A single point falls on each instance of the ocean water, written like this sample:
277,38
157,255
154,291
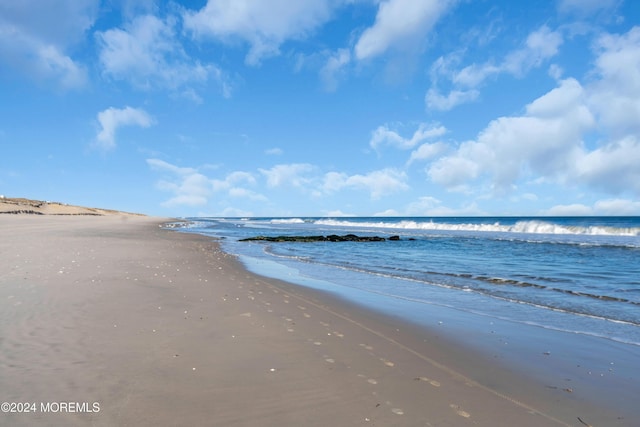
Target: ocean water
573,274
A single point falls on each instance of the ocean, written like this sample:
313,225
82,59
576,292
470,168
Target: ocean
578,275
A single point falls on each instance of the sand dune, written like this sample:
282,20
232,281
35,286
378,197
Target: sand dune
39,207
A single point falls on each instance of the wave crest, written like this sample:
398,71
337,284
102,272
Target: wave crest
526,227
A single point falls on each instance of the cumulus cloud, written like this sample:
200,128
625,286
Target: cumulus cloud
399,23
263,24
614,168
384,135
427,151
540,45
546,140
276,151
378,183
190,187
113,118
294,175
431,206
147,53
436,101
454,172
585,7
612,207
574,209
615,95
334,69
617,207
36,37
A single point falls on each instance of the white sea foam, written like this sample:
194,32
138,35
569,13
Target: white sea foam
287,221
528,227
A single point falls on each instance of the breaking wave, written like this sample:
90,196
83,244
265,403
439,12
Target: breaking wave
528,227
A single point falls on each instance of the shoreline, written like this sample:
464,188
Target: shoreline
164,328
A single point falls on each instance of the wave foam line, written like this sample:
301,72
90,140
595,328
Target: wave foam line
528,227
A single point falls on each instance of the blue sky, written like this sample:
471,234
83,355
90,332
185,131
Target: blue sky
323,107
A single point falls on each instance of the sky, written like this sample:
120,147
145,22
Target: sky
323,107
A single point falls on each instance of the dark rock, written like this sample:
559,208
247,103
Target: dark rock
330,238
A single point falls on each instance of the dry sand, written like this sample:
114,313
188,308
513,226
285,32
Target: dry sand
161,328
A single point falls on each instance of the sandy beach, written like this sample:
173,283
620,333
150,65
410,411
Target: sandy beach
114,320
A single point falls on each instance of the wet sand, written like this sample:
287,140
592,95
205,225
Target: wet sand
162,328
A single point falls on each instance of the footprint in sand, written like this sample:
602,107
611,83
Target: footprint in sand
459,411
387,362
430,381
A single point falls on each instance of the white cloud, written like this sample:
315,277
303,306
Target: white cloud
378,183
546,140
540,45
113,118
232,180
333,69
147,53
431,206
437,101
190,189
294,175
274,151
423,205
427,151
585,7
399,23
473,75
614,168
617,207
616,94
613,207
35,37
244,193
383,135
264,24
454,172
338,213
575,209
